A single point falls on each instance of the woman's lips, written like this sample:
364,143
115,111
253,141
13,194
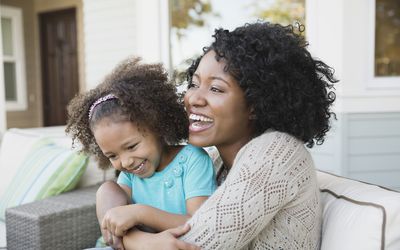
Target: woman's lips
198,126
199,122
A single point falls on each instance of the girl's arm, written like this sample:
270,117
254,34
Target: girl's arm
198,184
110,195
117,221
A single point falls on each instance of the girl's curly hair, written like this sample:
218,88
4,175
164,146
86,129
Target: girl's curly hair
288,89
144,96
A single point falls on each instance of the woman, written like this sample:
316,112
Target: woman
258,96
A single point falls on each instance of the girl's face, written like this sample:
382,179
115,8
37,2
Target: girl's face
129,150
217,109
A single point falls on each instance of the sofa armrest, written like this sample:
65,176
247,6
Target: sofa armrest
65,221
358,215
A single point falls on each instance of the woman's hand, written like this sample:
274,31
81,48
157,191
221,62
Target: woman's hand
167,240
119,220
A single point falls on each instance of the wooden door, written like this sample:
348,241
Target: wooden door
59,59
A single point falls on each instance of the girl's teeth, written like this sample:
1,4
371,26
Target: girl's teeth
138,168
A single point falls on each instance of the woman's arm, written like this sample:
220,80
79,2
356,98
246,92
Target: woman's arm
119,223
261,182
166,240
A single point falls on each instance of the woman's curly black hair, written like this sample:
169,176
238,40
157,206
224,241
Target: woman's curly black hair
288,90
144,96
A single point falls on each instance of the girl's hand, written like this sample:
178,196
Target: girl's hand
167,240
119,220
112,240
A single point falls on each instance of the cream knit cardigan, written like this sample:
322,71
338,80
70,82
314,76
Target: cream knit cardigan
270,200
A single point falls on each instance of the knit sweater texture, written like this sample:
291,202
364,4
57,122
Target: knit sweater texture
269,200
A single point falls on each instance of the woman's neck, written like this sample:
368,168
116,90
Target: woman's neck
229,152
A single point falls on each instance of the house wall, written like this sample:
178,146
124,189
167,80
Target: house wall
115,30
3,123
365,140
109,28
363,146
29,117
32,117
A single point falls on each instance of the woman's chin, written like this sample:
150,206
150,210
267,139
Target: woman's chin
200,141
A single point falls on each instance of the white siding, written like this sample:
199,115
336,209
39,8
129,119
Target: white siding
366,147
374,148
109,35
115,30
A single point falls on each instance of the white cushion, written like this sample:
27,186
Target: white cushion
357,215
16,143
15,146
47,170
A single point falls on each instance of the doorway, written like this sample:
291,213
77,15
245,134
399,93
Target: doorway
59,58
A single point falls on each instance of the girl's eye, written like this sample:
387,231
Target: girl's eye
112,157
132,146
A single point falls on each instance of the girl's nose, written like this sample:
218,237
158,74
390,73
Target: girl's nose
126,162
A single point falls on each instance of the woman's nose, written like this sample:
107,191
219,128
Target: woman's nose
195,97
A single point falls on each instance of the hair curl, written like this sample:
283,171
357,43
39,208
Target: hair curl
144,96
287,88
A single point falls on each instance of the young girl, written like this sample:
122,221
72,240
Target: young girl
134,121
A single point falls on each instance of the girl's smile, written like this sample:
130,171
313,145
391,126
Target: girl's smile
130,149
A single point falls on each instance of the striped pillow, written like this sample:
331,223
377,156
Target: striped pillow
47,170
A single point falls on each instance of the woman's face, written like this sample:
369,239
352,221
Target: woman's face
216,106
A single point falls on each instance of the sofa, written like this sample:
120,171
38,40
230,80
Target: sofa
356,215
38,167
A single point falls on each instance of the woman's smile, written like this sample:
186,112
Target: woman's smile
199,123
216,106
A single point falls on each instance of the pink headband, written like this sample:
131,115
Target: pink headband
100,100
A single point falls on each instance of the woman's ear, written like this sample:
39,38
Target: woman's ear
252,115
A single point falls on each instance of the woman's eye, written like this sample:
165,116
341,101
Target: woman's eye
192,85
215,89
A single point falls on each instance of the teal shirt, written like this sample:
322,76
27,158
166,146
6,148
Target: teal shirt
189,174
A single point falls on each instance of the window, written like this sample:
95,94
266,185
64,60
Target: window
387,38
13,58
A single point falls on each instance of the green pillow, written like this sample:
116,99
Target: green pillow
47,170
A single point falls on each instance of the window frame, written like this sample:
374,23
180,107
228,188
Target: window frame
15,14
376,82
